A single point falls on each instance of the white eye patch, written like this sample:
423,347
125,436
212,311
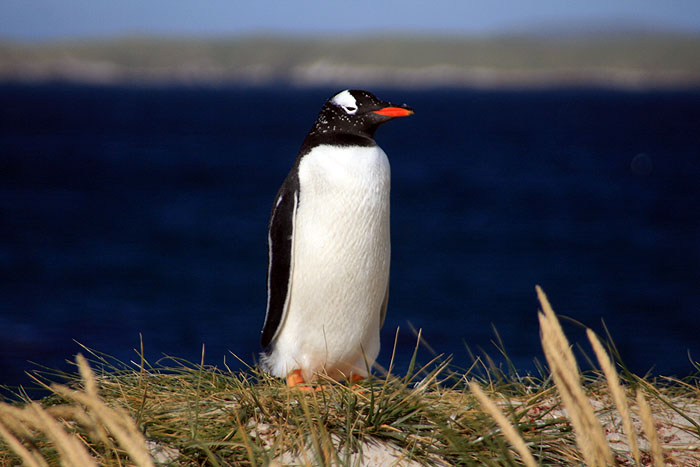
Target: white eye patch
346,101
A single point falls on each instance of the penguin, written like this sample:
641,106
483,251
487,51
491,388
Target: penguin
329,247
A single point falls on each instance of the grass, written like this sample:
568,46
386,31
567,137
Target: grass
112,413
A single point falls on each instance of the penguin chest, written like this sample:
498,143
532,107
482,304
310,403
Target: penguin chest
341,252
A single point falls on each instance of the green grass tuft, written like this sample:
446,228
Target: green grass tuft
185,413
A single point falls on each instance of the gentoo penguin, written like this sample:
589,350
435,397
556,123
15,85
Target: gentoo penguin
329,247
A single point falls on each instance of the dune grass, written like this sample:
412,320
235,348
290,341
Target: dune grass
179,413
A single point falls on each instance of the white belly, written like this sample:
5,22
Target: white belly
341,264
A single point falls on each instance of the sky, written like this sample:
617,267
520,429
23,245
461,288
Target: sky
46,20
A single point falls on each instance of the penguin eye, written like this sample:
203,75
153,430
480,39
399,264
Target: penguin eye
349,109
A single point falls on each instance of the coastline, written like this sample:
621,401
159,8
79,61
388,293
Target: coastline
624,62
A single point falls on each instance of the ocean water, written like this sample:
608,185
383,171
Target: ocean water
129,211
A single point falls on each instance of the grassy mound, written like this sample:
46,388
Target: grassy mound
185,414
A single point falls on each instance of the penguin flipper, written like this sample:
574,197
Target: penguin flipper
280,243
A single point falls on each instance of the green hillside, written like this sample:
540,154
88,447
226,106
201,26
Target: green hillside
526,60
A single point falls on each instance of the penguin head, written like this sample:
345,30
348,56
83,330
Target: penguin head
357,112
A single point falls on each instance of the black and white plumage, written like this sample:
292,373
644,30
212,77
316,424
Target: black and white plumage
329,246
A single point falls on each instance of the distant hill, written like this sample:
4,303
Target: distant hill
525,60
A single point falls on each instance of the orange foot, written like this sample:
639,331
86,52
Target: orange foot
355,378
296,380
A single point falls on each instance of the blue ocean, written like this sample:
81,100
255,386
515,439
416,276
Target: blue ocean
142,211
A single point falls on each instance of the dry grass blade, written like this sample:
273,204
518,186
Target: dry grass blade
618,394
650,430
509,431
87,376
30,459
72,452
119,424
90,412
589,433
33,419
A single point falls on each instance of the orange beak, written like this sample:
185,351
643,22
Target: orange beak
394,112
